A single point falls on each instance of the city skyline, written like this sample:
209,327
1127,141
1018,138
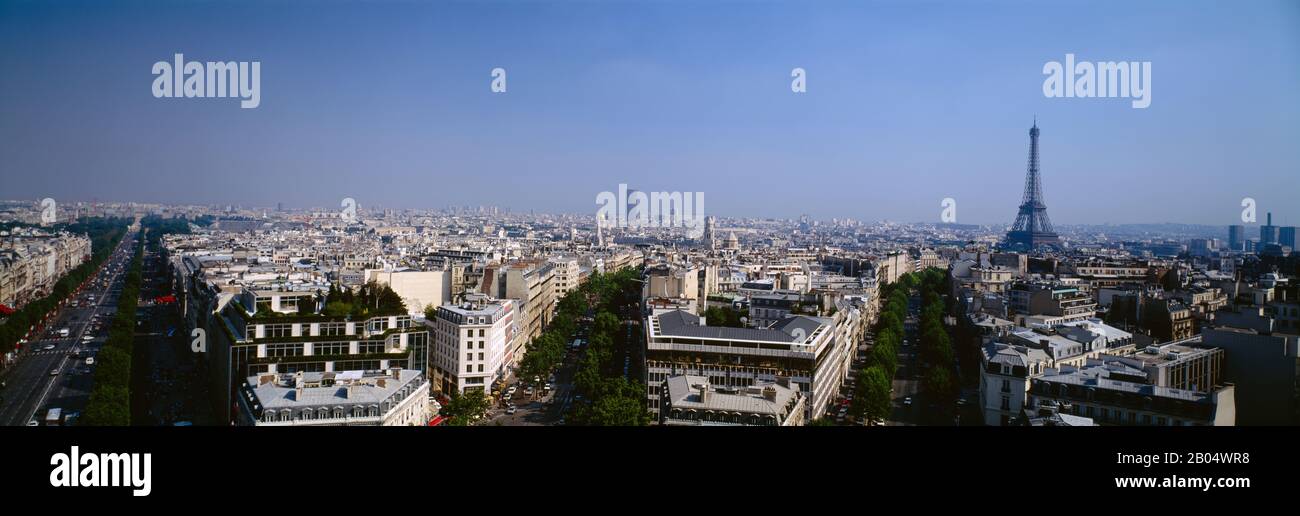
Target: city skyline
903,108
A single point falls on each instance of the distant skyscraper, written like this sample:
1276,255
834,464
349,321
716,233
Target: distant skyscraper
1268,232
1237,237
1032,228
1286,236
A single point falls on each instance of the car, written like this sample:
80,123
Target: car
48,347
55,372
510,409
33,423
907,401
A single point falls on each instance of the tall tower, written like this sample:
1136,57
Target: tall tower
1032,228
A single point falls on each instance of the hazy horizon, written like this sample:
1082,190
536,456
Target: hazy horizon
907,104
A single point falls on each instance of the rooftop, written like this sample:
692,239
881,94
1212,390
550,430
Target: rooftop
678,323
345,388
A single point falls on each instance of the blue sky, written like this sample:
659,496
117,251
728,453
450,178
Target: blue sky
907,103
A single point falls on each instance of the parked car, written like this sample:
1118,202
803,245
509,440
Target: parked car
907,402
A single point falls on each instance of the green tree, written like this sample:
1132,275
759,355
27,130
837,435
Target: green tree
938,385
464,409
872,399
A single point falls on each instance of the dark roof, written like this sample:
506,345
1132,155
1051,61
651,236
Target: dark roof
678,323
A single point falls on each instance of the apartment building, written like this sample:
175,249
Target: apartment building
530,282
690,400
1265,367
420,290
472,343
1004,380
277,336
1180,365
1093,392
32,261
807,352
568,275
1060,302
393,397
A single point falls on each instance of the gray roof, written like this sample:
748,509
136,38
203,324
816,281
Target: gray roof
366,390
683,393
678,323
1098,376
1022,356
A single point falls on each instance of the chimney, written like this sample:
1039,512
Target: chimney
769,393
703,389
783,381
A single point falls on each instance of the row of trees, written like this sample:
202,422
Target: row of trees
545,353
610,398
940,380
110,399
104,234
875,382
874,393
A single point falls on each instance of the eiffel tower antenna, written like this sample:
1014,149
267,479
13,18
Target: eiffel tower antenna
1032,228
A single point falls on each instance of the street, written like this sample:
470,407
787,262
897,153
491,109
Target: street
31,385
175,391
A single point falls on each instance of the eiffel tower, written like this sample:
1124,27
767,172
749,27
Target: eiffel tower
1032,228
